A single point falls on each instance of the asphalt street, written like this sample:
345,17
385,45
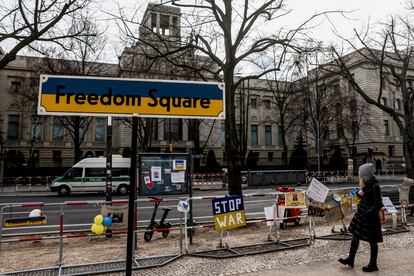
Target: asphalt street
81,217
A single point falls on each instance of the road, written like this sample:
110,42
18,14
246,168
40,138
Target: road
82,216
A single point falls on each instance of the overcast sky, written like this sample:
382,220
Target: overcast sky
363,11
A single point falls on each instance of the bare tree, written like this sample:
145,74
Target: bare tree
286,99
78,57
25,22
388,59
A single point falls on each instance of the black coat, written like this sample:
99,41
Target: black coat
366,223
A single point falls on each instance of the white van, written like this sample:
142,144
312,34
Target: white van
89,175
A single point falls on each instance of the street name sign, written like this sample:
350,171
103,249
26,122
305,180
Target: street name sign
92,96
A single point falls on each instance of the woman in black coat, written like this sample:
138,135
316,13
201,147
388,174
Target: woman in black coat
366,223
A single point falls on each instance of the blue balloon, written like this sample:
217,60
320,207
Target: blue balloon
107,221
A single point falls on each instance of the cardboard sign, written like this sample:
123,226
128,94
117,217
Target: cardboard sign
93,96
295,200
388,205
119,214
228,212
317,191
314,211
333,214
346,206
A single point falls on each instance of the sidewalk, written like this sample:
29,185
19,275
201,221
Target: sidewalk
390,262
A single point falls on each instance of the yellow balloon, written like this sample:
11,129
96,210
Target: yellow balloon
98,219
99,229
93,228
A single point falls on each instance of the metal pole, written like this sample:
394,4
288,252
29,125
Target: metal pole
190,195
108,191
61,238
132,195
181,233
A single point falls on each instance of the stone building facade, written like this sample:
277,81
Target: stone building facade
46,144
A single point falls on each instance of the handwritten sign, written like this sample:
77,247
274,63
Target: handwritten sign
228,212
317,191
388,205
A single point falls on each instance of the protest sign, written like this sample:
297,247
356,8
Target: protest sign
317,191
295,200
388,205
228,212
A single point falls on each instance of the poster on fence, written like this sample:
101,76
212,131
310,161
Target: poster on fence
317,191
295,200
316,211
228,212
333,214
119,214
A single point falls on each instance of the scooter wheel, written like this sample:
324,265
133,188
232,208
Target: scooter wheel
148,236
165,233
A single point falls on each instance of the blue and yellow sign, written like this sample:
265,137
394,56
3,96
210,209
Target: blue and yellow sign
228,212
90,96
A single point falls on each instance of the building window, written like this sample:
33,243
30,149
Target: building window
384,101
268,135
81,133
336,90
386,128
14,127
154,22
57,158
254,135
57,129
155,129
270,156
35,159
353,106
165,24
36,129
267,104
100,124
15,87
253,102
391,151
173,130
99,153
223,133
397,104
339,131
280,137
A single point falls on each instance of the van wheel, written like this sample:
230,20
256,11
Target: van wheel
64,191
122,189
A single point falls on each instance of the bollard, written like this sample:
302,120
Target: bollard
185,232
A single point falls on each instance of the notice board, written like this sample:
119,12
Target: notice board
163,174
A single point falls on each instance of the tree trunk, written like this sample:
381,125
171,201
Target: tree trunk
233,160
409,151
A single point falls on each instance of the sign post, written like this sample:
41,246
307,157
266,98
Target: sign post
91,96
108,190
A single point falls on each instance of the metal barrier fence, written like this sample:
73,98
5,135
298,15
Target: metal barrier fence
26,183
182,226
342,176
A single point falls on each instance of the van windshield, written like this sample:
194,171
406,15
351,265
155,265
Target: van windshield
72,173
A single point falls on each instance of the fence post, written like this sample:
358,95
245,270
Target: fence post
61,239
181,233
185,232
